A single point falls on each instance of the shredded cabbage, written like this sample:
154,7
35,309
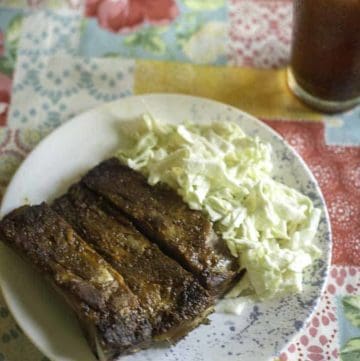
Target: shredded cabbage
219,170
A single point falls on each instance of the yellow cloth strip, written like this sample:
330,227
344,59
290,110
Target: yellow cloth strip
263,93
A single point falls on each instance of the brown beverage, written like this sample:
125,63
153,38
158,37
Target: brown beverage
325,59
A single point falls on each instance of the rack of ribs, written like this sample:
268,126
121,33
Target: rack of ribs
133,261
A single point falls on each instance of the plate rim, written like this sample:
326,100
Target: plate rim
258,122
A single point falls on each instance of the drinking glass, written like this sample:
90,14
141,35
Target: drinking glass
324,69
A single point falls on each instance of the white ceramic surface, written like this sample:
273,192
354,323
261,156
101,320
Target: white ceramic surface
263,328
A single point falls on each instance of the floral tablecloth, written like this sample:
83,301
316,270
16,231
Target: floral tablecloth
58,58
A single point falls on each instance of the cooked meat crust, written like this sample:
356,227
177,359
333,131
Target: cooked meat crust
183,234
134,262
174,301
110,313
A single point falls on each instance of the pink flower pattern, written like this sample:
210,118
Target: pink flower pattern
260,32
127,15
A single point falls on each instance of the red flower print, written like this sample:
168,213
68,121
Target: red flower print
325,171
5,92
126,15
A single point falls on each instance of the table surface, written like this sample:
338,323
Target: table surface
58,58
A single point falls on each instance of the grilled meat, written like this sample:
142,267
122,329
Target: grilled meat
174,301
135,263
183,234
113,319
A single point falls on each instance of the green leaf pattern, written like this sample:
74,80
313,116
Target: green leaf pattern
186,27
6,65
351,350
351,306
13,30
204,4
149,39
11,41
51,4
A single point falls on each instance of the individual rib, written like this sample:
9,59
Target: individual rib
114,322
183,234
174,301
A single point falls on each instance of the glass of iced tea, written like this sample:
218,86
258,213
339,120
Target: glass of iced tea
324,69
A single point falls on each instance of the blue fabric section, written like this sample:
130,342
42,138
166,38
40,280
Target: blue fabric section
61,84
167,40
6,14
348,132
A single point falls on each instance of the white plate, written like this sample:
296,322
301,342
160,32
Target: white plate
263,328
